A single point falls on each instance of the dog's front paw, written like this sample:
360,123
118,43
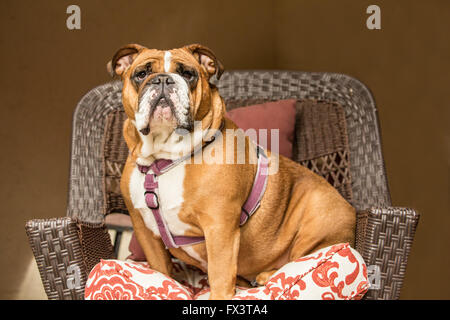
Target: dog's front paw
263,277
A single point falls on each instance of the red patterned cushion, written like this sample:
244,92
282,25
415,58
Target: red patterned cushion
335,272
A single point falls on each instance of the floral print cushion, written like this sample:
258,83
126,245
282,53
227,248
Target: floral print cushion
335,272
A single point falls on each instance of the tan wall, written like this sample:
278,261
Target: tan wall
46,69
406,66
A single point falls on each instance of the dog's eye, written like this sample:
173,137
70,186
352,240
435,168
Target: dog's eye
141,75
187,74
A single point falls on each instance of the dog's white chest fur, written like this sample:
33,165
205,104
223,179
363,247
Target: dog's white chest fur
170,193
170,196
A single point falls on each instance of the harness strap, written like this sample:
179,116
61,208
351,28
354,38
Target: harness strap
160,166
151,199
259,186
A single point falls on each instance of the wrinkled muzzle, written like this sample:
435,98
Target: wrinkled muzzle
164,102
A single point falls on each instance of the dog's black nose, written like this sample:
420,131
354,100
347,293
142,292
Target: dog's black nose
162,79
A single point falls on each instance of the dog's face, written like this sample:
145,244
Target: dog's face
165,90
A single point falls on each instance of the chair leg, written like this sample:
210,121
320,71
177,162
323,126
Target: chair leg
117,242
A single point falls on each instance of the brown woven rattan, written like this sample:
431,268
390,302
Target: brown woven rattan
95,243
56,246
337,136
115,153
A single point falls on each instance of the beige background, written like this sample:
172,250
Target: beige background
47,68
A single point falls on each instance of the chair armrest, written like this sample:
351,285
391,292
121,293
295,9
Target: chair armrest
384,237
65,251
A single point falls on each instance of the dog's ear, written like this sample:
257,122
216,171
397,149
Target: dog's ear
207,59
123,58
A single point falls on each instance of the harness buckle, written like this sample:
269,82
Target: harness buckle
155,200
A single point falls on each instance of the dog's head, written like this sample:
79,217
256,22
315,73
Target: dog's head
164,94
166,90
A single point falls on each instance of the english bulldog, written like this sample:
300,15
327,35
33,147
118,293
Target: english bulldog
193,210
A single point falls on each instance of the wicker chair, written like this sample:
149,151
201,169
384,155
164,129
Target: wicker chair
67,248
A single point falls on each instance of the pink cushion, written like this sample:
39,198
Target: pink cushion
271,115
336,272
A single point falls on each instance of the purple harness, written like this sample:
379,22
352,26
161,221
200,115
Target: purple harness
160,166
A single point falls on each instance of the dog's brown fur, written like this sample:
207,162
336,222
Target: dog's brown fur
299,213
